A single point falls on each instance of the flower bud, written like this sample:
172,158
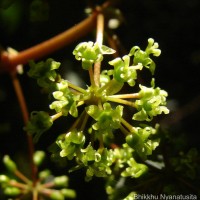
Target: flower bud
57,195
4,179
12,191
44,174
69,193
9,163
38,157
61,181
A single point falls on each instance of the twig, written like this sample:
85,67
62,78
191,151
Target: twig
25,114
50,45
22,176
10,62
17,184
20,96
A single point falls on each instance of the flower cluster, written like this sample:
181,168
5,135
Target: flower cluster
143,57
107,119
92,140
89,53
45,73
16,184
123,72
99,162
71,143
39,122
140,140
65,100
152,102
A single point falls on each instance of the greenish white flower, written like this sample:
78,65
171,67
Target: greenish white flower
123,72
152,102
89,53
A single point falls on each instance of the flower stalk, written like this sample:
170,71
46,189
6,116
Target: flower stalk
99,40
125,96
121,101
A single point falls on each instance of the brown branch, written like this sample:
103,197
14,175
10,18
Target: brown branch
25,114
10,62
51,45
20,96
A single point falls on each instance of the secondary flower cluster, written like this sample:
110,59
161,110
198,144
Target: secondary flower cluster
152,102
17,184
89,53
100,162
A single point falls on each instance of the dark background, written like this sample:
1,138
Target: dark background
175,25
